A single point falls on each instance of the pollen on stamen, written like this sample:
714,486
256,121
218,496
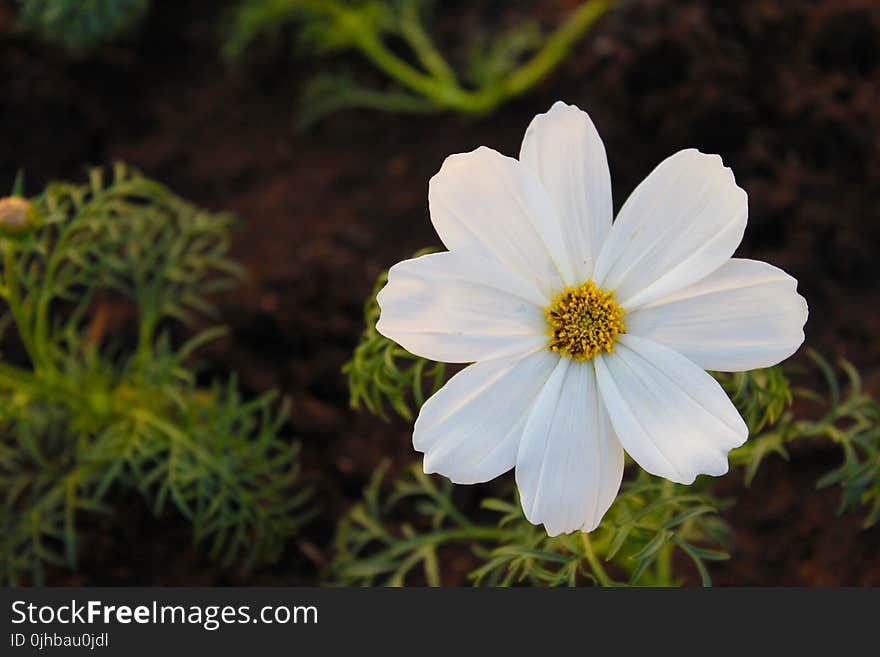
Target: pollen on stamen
584,321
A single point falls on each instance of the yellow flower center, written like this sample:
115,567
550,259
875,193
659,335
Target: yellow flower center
584,321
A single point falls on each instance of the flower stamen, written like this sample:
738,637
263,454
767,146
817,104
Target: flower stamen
584,321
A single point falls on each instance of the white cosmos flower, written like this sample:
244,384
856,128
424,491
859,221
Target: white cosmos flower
587,337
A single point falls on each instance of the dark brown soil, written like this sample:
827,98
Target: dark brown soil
785,90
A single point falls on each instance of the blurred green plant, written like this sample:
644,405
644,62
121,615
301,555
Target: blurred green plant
81,26
393,538
421,79
84,416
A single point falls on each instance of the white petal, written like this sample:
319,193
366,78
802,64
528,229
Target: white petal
679,225
565,150
743,316
483,202
569,464
460,308
470,430
671,417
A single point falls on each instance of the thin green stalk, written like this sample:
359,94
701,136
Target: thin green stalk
13,297
44,300
441,86
145,339
445,91
554,50
664,559
437,90
435,539
416,36
664,565
430,83
598,569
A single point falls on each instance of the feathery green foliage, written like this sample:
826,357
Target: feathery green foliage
381,371
420,78
81,25
84,416
849,417
394,538
377,543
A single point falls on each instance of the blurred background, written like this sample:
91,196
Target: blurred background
785,90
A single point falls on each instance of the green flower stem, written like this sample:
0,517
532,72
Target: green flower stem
145,337
664,559
13,297
418,39
473,533
664,565
554,50
598,569
44,301
439,91
440,85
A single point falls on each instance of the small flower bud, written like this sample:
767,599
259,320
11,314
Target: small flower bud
17,216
